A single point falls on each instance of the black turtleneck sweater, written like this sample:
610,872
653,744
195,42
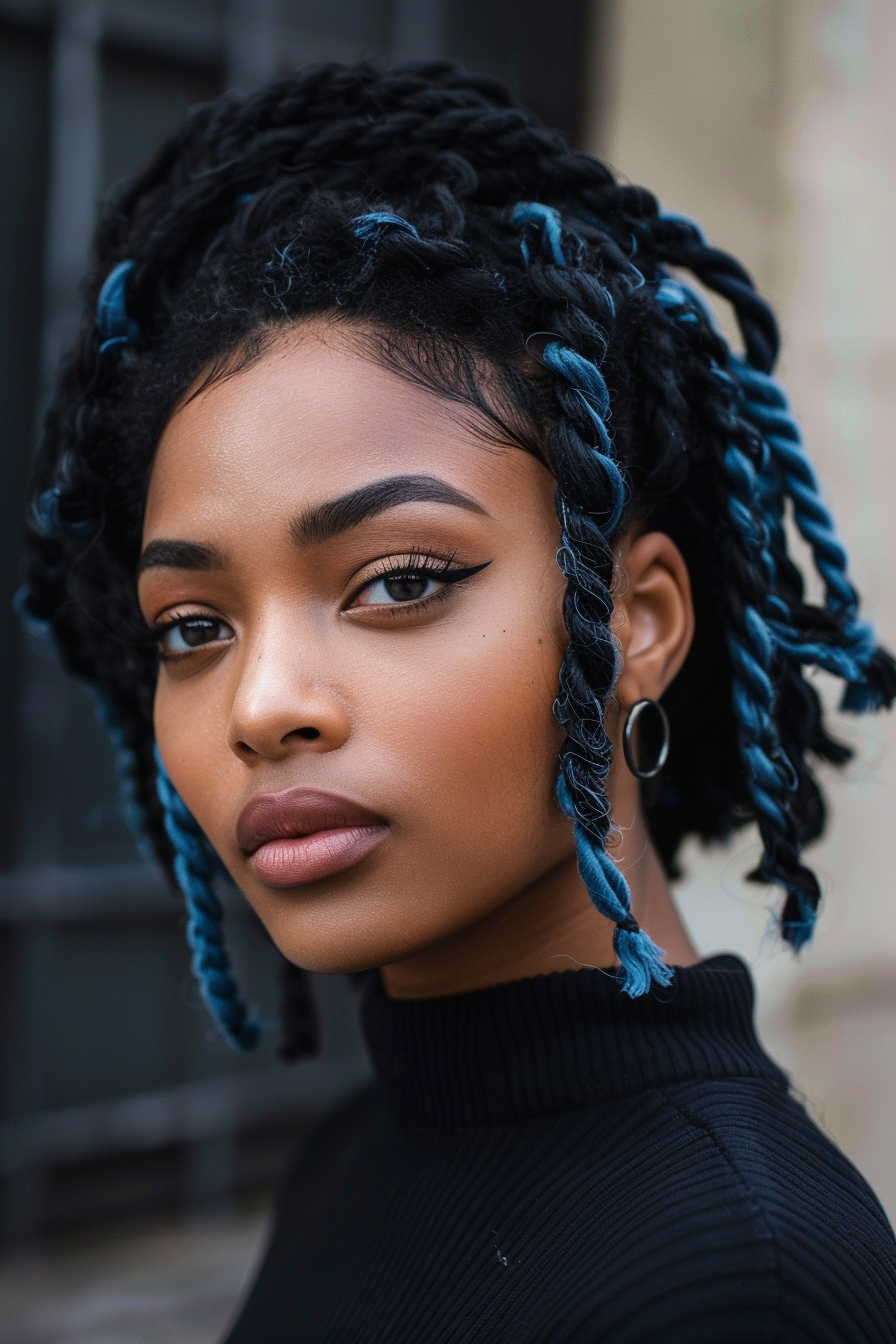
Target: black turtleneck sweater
549,1160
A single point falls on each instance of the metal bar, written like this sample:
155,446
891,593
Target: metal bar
24,1195
62,893
417,30
189,1113
203,37
185,32
66,893
73,187
74,170
252,32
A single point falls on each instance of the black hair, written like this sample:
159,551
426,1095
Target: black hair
474,251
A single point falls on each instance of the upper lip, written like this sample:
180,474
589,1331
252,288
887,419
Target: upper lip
295,812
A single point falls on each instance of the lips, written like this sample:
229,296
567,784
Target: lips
302,835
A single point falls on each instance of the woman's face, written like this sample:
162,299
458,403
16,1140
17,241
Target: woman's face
362,645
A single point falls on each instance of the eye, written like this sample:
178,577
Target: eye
192,632
418,583
413,586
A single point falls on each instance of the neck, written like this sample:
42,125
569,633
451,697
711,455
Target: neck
550,925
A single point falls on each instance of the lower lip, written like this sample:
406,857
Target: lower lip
310,858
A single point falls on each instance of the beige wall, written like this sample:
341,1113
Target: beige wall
773,122
693,108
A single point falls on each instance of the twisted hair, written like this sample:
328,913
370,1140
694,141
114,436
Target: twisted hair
474,252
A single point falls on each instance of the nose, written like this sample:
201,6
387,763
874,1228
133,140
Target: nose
282,706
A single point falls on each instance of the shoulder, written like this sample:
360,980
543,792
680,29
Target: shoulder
744,1223
832,1253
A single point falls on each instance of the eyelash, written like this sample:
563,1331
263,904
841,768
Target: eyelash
411,567
405,567
163,628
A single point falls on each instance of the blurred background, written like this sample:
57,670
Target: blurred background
137,1153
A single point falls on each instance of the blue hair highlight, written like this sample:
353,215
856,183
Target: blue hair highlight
547,220
756,506
115,328
35,625
787,473
194,868
798,932
588,382
765,406
48,520
112,321
680,302
640,960
370,228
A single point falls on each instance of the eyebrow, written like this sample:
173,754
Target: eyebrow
179,555
324,521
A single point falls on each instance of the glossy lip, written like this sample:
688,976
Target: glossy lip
302,835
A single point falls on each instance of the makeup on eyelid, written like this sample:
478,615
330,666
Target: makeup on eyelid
418,568
426,568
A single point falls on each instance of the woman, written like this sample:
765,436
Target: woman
424,544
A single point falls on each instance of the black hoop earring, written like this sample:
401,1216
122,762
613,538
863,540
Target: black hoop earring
660,752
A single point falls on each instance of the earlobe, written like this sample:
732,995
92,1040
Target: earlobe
653,616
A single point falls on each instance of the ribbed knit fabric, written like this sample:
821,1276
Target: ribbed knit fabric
552,1161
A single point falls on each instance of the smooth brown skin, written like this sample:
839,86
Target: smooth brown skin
437,718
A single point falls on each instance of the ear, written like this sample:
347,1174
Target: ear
653,616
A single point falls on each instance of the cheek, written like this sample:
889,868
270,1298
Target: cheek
190,729
475,733
493,729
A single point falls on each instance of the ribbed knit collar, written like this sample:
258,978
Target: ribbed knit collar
534,1047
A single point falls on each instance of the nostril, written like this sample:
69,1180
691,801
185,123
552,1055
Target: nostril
309,734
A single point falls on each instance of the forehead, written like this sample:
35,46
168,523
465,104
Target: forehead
313,418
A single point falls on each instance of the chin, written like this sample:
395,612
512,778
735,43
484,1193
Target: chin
340,959
373,916
336,943
331,941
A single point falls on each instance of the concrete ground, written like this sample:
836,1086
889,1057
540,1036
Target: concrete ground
140,1284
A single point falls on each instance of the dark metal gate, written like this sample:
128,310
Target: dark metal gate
116,1092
